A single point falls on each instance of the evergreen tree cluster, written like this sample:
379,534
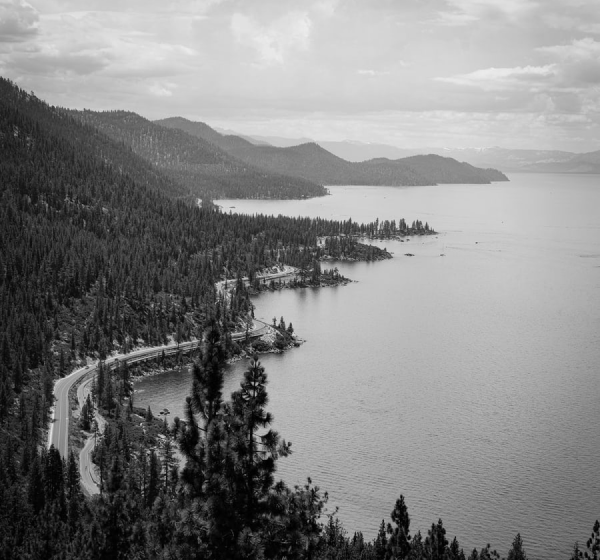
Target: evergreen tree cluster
98,251
202,168
101,251
225,502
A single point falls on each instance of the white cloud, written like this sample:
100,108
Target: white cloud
326,7
160,90
573,15
579,62
455,18
18,21
373,72
92,42
462,12
131,6
504,78
411,129
280,60
579,49
273,42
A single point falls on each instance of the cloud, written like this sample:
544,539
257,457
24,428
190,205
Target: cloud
160,90
463,12
131,6
413,129
572,15
579,62
83,43
573,65
373,72
350,60
51,61
500,79
273,42
18,21
326,7
579,49
455,18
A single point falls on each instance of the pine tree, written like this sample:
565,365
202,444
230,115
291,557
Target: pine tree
168,459
35,486
208,377
256,453
73,493
100,384
517,551
398,545
380,544
153,479
436,542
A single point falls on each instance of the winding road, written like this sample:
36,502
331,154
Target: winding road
59,423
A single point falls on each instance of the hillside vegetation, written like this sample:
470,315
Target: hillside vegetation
312,162
99,251
201,168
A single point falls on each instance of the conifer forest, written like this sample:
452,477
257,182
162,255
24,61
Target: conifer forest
104,248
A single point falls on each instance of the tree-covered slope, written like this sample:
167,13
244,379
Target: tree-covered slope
99,253
99,250
202,168
447,170
312,162
308,161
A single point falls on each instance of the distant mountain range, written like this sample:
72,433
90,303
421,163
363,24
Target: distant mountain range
314,163
505,159
539,161
199,165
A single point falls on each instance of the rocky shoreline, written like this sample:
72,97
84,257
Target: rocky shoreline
275,340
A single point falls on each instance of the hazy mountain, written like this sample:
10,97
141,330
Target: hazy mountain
257,141
514,160
505,159
311,161
204,169
227,142
578,163
314,163
448,170
277,141
359,151
346,149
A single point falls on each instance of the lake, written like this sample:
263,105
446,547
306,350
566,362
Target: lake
468,382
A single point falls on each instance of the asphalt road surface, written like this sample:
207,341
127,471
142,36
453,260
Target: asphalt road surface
59,424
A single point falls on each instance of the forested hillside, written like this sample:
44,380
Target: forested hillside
202,168
448,170
100,252
312,162
93,237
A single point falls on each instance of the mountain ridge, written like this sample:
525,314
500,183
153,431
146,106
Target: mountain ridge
515,160
200,166
312,162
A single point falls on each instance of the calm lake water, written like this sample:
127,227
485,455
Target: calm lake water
467,382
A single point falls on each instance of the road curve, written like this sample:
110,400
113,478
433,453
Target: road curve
59,423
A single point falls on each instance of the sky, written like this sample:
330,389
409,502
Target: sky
410,73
